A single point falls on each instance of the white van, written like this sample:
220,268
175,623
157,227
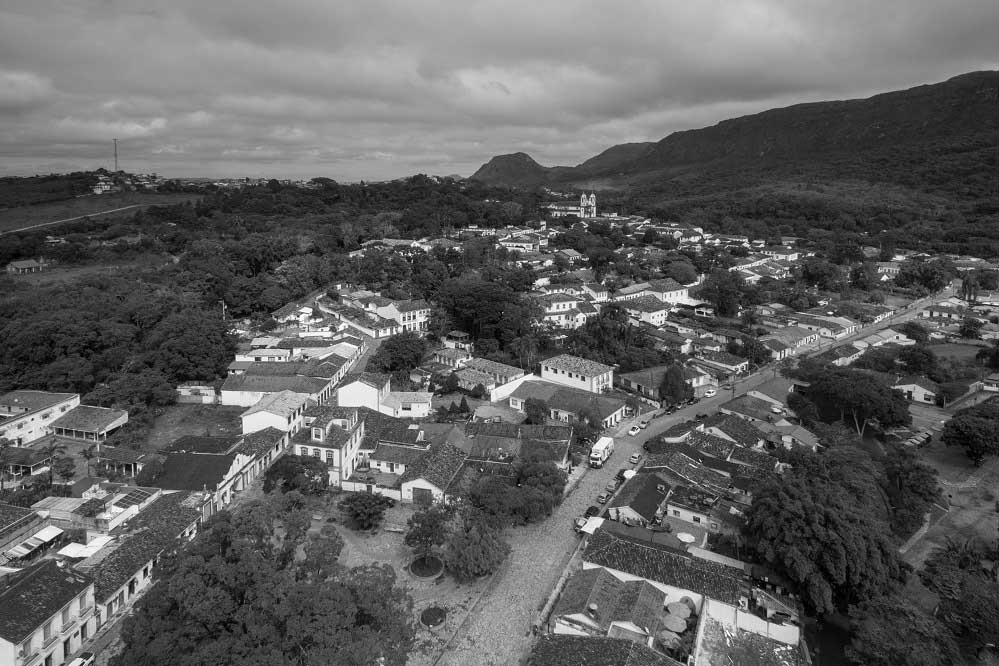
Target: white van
85,659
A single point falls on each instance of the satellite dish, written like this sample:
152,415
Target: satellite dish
685,537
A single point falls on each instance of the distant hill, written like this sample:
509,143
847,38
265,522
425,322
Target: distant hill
941,138
33,190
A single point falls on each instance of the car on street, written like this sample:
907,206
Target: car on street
635,457
727,387
611,485
703,415
620,474
643,424
777,410
591,510
710,393
603,497
634,430
579,523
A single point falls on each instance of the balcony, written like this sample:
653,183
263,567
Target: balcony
86,612
68,626
50,640
29,659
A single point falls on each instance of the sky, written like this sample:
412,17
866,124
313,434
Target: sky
372,90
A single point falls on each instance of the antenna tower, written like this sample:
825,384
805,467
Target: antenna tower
116,155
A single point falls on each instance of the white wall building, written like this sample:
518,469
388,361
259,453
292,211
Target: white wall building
577,372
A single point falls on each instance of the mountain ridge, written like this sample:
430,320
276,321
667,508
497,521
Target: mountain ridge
928,133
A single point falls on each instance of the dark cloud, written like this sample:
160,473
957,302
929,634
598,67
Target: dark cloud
380,89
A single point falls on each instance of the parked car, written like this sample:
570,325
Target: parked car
611,485
703,415
620,474
643,424
603,497
579,523
727,387
634,430
777,410
591,511
635,457
710,393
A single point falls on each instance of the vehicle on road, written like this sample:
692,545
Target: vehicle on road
777,410
611,485
620,473
601,451
635,457
634,430
727,387
591,511
703,415
710,393
603,497
643,424
579,523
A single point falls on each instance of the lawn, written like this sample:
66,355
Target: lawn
12,219
957,351
72,273
201,420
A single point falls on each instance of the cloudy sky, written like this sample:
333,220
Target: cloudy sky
365,89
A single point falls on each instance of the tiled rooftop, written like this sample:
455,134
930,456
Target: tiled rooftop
575,364
33,595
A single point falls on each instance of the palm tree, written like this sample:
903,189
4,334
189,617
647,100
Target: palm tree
52,449
89,454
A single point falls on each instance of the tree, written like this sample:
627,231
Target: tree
404,351
477,549
970,328
536,410
892,631
818,533
858,397
723,289
322,552
64,467
233,596
915,331
674,388
305,474
754,351
88,454
53,448
365,510
911,488
977,435
463,406
427,528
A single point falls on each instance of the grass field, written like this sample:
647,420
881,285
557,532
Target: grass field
200,420
71,273
14,219
957,351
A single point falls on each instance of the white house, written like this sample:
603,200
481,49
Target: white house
333,435
47,614
576,372
26,415
407,404
917,389
648,309
363,389
247,390
429,479
284,411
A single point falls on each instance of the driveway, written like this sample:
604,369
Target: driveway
498,632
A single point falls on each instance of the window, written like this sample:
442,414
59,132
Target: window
329,455
391,467
316,453
26,646
675,512
317,434
47,631
303,451
697,519
65,616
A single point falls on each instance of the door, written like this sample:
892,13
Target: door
422,497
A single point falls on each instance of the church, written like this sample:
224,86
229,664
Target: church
587,207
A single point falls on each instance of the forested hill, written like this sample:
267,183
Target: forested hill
16,192
938,138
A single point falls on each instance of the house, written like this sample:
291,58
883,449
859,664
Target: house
499,372
577,372
89,424
945,312
469,379
566,404
720,360
570,255
407,404
363,389
636,290
991,383
596,291
24,267
692,505
726,634
560,649
125,461
213,466
46,614
26,415
25,461
410,315
734,429
669,290
427,481
639,500
794,337
648,309
782,253
507,442
283,411
646,382
561,311
17,523
789,436
124,567
332,434
775,391
705,310
595,603
247,390
458,340
451,357
678,574
917,389
843,355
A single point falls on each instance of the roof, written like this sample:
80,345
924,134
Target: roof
711,445
612,599
194,471
32,400
380,427
140,540
397,453
268,384
757,408
411,306
283,403
89,419
10,514
583,366
726,644
692,498
568,399
566,650
645,304
665,284
738,430
439,466
664,565
914,380
373,379
120,454
34,595
401,398
493,368
641,493
473,376
261,441
199,444
25,456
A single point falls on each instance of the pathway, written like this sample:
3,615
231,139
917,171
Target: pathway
72,219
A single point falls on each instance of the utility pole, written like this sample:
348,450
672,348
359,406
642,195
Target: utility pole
115,155
223,310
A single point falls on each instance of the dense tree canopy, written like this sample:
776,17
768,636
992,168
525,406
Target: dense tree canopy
892,631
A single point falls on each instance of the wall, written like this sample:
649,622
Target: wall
407,489
26,427
503,392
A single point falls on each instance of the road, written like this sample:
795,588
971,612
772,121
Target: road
73,219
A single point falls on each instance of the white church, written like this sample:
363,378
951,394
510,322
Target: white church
587,207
